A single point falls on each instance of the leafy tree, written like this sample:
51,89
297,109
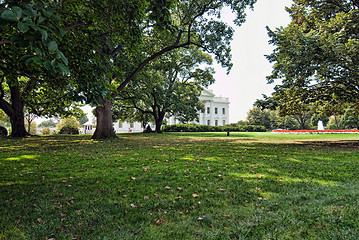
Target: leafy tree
271,119
291,101
47,124
98,39
257,116
100,32
29,118
30,56
170,86
34,71
31,127
69,125
82,119
318,51
350,121
192,23
316,118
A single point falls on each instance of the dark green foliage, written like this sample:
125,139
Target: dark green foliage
69,130
245,128
192,127
47,123
82,119
316,55
170,86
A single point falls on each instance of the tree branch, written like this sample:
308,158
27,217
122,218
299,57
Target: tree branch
130,77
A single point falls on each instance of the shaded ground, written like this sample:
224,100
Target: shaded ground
180,186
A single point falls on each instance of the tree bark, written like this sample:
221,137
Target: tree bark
18,125
16,114
104,126
159,121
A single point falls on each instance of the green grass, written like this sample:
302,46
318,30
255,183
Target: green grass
181,186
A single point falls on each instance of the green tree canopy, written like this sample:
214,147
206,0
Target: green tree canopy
318,51
47,123
192,23
170,86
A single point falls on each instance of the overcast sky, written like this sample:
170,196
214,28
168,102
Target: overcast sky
247,79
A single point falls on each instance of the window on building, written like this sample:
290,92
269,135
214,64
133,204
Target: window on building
120,124
216,122
215,110
224,122
208,122
223,111
131,125
208,110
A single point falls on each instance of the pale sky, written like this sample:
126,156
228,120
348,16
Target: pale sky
247,79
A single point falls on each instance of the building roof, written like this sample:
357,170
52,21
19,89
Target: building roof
88,123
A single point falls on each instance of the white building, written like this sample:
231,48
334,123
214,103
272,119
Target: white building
216,110
216,113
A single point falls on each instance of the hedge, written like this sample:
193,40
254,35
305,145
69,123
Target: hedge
69,130
192,127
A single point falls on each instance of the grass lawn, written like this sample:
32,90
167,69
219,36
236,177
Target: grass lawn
181,186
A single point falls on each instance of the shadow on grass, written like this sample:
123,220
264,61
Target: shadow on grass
147,187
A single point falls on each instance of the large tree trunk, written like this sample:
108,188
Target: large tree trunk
15,111
104,126
18,125
159,121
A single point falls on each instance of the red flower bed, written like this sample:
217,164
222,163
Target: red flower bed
318,131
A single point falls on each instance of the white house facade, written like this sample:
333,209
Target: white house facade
216,110
216,113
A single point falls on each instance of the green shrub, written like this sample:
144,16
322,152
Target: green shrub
192,127
69,125
69,130
46,131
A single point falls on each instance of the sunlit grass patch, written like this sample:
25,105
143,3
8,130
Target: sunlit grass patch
249,186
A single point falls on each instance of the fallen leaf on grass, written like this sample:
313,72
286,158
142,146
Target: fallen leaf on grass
168,187
160,221
133,205
195,195
221,189
179,188
260,176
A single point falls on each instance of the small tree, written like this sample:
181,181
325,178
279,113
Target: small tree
48,123
170,86
31,127
29,121
69,125
46,131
